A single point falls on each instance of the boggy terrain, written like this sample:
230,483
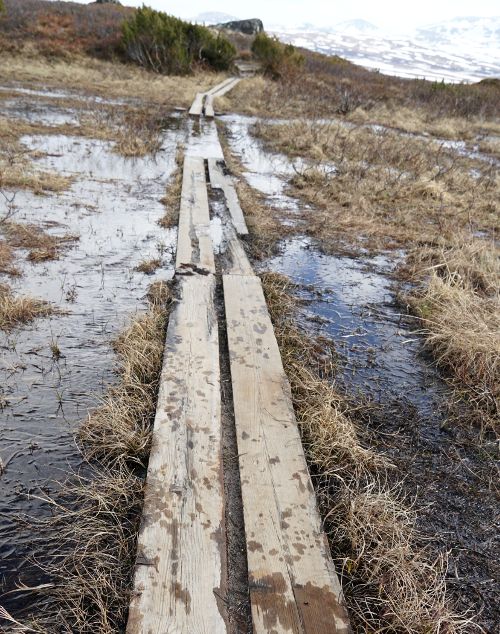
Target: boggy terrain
372,209
388,320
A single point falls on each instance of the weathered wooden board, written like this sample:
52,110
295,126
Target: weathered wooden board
194,244
180,570
293,584
218,180
220,86
222,90
203,102
209,107
197,106
236,261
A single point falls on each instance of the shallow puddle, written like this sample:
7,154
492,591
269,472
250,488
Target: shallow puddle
113,207
267,172
444,466
352,301
41,113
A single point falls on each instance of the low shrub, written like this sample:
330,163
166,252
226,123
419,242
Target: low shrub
277,59
166,44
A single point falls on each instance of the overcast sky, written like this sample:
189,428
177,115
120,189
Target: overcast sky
388,14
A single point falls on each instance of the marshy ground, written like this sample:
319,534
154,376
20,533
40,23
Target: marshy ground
359,230
77,262
364,249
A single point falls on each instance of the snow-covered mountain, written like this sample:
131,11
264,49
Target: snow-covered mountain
356,27
462,49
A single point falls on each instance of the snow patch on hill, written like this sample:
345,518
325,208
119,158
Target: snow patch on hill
462,49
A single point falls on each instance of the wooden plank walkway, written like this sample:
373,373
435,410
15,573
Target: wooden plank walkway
180,584
204,101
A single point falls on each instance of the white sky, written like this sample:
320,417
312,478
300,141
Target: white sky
387,14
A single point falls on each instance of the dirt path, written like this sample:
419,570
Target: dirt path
220,328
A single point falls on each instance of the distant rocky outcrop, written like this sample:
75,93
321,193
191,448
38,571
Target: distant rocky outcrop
249,27
107,2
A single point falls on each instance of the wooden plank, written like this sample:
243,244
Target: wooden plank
194,244
293,584
219,180
236,260
225,89
180,568
220,86
209,107
197,106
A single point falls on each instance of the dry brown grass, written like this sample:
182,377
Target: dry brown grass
108,79
389,582
459,305
148,266
394,191
96,517
332,87
7,259
419,121
18,310
136,131
17,171
172,198
387,189
40,244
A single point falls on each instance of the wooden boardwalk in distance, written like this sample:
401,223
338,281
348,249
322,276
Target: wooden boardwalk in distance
181,578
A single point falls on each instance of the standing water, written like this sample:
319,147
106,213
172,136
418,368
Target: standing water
53,370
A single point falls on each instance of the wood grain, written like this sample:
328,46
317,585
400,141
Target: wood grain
293,584
194,244
220,180
180,577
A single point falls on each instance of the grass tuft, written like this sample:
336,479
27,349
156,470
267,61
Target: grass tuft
458,301
148,266
18,310
389,582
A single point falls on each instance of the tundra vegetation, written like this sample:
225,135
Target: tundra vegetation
379,178
168,45
388,194
387,166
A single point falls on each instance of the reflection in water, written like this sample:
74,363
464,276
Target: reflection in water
354,303
113,206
